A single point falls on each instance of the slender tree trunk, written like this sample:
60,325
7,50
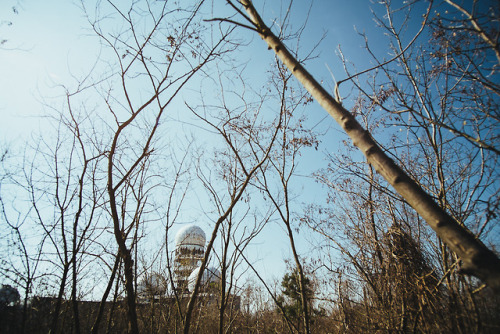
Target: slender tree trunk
74,300
113,306
372,218
95,327
57,310
223,300
129,287
25,306
476,258
302,285
128,263
74,275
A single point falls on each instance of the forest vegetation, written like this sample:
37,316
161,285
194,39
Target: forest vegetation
390,217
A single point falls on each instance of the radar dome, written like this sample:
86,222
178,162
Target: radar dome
210,275
190,235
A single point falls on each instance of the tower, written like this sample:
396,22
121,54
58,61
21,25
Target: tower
189,252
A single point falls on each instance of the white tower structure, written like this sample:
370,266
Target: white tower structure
189,252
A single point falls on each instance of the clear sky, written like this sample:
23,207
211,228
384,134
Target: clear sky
46,43
49,43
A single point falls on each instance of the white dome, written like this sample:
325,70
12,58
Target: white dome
190,235
210,275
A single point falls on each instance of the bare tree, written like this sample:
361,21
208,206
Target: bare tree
170,47
411,101
22,261
283,163
476,258
247,142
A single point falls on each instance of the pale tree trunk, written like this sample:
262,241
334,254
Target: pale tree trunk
476,258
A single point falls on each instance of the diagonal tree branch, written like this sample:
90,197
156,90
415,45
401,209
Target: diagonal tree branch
476,258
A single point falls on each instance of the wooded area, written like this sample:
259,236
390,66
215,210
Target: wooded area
404,238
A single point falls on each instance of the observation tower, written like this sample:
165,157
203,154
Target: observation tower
189,252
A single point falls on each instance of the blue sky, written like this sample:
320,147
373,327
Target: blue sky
50,41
